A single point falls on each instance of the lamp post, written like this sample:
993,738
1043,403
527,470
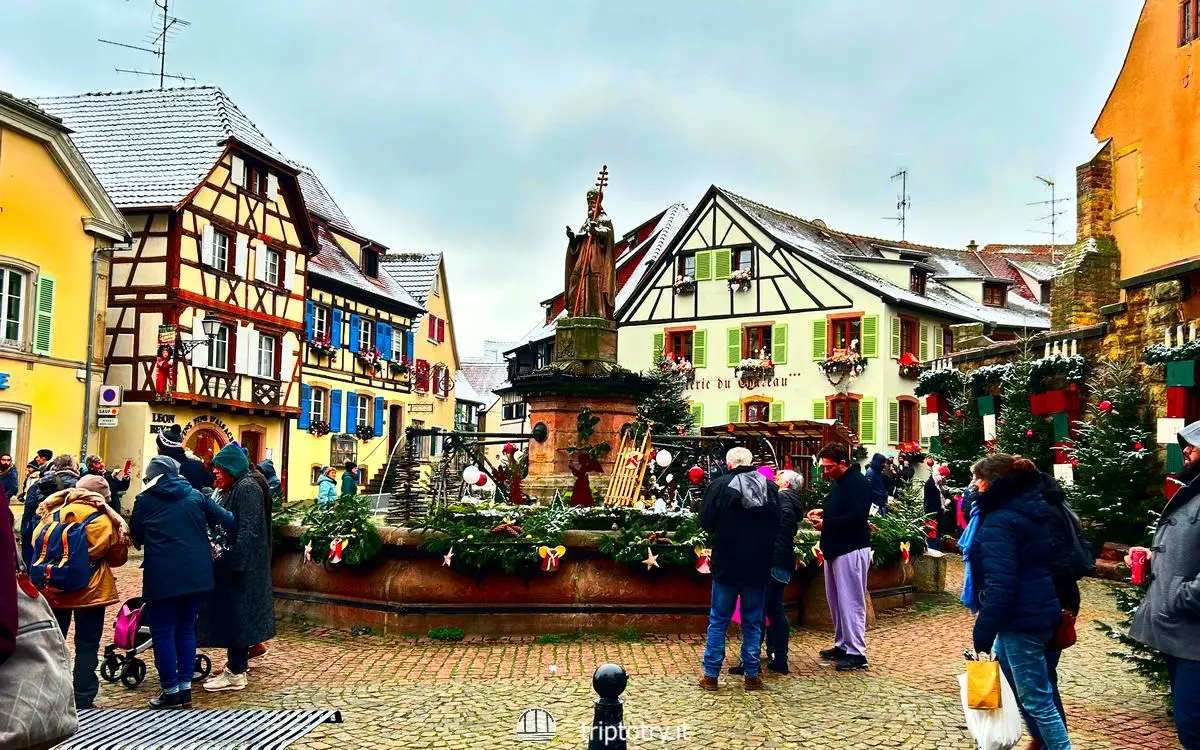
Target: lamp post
210,326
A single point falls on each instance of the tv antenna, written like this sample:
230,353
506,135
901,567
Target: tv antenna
166,25
903,203
1052,217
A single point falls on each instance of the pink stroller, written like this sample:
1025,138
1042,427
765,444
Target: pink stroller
130,636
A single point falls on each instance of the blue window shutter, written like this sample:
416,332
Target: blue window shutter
378,416
351,411
383,340
355,332
305,402
409,346
308,320
335,329
335,411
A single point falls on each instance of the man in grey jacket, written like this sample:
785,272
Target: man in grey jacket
1169,618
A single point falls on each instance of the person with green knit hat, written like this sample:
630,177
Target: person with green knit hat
241,613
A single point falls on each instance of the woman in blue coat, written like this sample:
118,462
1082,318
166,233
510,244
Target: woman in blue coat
327,488
171,521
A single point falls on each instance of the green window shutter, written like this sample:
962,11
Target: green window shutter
779,344
924,343
734,412
939,347
870,336
700,348
866,420
657,349
818,407
733,346
893,421
776,411
820,339
704,265
722,263
43,314
895,337
697,416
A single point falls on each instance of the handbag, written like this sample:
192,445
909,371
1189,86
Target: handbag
1065,636
37,697
983,684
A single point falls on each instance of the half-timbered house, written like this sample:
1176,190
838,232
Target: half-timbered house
764,312
206,309
358,354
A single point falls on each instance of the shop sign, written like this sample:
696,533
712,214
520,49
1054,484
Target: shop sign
729,384
420,408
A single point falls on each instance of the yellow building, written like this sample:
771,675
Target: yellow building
357,362
435,363
206,309
57,227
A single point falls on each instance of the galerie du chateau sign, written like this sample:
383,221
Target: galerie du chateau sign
730,384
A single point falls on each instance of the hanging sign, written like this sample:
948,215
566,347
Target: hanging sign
989,426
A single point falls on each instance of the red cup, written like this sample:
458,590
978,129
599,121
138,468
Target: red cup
1137,565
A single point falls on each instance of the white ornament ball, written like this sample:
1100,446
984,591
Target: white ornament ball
663,459
471,474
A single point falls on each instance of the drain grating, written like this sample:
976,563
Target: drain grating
146,729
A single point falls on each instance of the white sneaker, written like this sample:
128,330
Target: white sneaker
226,681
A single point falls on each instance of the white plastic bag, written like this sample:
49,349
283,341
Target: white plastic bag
998,729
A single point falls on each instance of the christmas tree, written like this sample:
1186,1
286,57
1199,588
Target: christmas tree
1118,477
961,436
409,501
666,411
1146,662
1018,431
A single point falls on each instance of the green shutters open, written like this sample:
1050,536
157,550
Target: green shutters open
776,411
656,349
893,421
704,265
779,344
733,346
866,420
43,317
924,343
895,337
939,344
734,412
818,408
700,348
697,416
820,332
870,336
722,263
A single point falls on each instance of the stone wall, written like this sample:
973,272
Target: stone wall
1090,274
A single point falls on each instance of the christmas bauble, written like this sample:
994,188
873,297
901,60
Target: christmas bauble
482,480
471,474
663,458
1028,433
958,414
1137,446
1105,406
695,474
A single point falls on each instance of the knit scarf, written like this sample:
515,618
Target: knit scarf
969,596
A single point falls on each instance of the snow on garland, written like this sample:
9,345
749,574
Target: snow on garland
939,382
987,376
1044,372
1157,354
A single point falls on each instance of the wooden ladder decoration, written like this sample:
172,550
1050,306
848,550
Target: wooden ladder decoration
629,469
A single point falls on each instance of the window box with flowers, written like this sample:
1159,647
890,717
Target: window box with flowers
369,358
755,368
318,428
739,281
843,364
685,285
680,366
364,432
911,452
910,366
398,368
322,346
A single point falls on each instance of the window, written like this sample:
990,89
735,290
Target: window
343,448
845,410
271,267
1187,22
370,263
908,422
366,335
218,349
422,440
679,345
267,347
316,405
437,284
545,353
254,177
440,381
993,295
320,322
743,258
398,345
845,332
686,266
362,411
12,304
220,251
908,337
756,342
1044,291
513,410
916,281
947,340
314,474
757,411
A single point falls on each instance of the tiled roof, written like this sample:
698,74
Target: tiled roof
414,271
28,107
151,147
463,391
486,378
332,262
1037,271
319,202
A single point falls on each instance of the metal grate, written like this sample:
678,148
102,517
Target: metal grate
100,729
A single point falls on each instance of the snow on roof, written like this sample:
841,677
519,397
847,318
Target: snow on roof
332,262
463,391
152,147
319,202
486,378
414,271
1037,271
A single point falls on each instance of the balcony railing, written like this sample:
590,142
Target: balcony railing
219,385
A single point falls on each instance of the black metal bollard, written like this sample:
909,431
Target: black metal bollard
608,729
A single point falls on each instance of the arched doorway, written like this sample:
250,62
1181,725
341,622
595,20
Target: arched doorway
204,442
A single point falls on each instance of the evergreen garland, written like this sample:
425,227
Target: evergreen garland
1018,431
350,519
939,382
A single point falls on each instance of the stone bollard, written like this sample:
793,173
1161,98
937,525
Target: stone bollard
608,729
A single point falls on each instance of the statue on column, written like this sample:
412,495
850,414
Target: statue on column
591,277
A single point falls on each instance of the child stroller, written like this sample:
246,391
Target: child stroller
130,636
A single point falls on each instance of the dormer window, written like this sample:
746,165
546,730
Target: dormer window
370,263
1044,295
994,294
916,281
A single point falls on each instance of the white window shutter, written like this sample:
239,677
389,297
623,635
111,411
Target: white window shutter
237,171
206,245
272,186
200,353
239,258
247,348
289,269
260,261
286,364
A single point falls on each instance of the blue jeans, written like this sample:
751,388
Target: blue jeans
724,597
1185,692
1025,655
173,627
1052,658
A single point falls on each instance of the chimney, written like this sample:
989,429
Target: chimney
1094,196
972,247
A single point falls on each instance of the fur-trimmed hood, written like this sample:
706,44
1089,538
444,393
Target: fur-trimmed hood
75,495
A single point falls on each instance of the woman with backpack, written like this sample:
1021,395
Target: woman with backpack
170,522
106,538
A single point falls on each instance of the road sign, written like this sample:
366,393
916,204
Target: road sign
106,422
107,411
110,395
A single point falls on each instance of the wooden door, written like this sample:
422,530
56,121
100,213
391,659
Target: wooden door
395,424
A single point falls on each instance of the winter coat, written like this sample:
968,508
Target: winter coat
326,491
1010,561
275,486
8,585
170,522
108,546
933,497
8,482
1062,546
844,526
741,513
875,478
192,469
46,485
1168,619
349,483
116,487
791,509
240,611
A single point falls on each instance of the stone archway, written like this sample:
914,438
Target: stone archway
204,442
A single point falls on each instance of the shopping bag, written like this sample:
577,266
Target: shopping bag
983,684
996,728
737,611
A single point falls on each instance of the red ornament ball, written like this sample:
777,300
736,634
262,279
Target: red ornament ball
958,414
695,474
482,480
1075,463
1137,446
1105,406
1028,433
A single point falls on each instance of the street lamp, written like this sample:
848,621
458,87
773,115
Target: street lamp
210,327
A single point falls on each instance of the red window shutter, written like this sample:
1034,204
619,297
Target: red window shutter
422,375
441,333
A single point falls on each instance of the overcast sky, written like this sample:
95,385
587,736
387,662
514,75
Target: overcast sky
476,127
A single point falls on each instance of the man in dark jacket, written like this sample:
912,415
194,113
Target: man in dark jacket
875,477
349,484
170,443
8,479
35,467
1169,617
741,514
846,545
118,484
267,467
